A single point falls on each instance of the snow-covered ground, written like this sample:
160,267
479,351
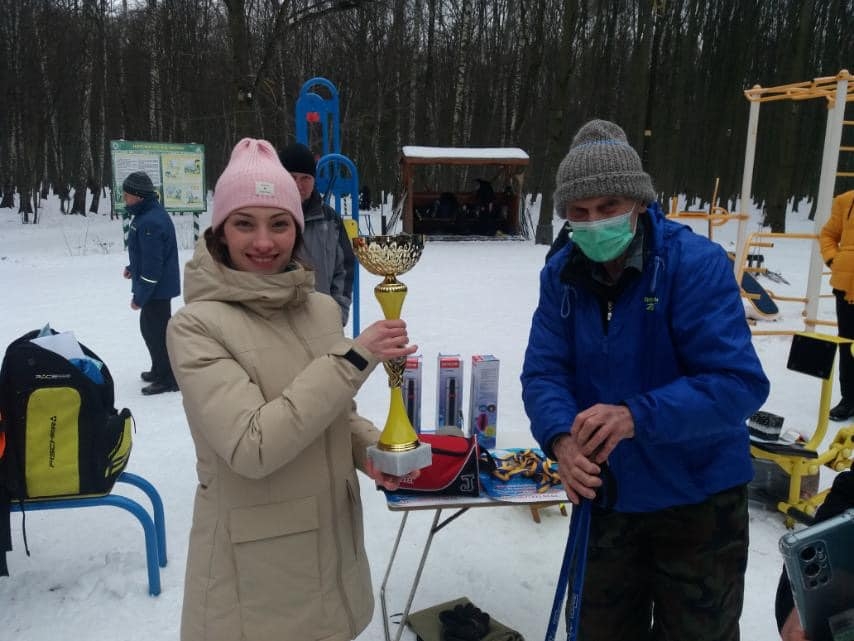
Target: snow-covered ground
86,578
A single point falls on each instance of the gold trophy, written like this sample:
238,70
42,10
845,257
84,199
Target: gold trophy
399,451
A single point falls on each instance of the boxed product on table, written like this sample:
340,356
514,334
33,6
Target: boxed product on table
483,399
411,390
449,391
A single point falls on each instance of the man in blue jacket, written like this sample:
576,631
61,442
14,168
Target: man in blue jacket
153,270
638,378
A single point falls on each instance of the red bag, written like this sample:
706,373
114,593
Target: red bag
454,470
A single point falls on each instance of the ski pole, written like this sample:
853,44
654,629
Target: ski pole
574,563
583,534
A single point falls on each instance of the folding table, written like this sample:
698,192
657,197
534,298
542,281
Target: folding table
460,505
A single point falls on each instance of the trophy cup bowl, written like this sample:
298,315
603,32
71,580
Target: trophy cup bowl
388,256
399,451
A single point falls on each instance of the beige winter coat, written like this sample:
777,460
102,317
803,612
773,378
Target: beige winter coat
276,547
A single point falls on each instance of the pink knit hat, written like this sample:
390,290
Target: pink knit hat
254,177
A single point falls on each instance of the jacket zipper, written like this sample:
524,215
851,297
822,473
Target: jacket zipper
607,315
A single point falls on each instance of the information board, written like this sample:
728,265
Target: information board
177,171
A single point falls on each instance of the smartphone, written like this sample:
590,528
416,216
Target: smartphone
820,562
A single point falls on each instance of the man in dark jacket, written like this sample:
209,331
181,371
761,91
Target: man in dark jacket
638,378
155,279
329,249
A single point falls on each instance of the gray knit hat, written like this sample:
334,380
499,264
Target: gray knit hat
138,184
601,162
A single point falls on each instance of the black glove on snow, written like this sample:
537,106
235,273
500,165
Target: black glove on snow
464,623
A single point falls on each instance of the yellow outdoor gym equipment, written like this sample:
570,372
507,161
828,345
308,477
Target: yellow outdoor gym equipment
836,91
812,354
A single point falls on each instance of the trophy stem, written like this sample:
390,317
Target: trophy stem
390,293
398,435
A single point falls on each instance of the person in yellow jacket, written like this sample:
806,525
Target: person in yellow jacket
276,548
837,250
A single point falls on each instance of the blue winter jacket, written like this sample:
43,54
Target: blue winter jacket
677,351
153,253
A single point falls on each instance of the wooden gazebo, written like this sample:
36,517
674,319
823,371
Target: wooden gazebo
440,202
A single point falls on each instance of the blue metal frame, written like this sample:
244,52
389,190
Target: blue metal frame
154,530
326,108
337,176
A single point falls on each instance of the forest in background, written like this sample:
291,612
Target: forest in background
491,73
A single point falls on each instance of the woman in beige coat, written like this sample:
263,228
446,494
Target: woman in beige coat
268,379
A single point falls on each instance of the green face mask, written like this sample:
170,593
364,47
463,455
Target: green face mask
605,239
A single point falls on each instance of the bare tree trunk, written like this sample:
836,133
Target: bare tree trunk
785,137
25,205
643,70
52,153
461,72
242,97
121,81
13,26
398,29
430,97
122,89
44,192
558,140
64,193
7,147
8,199
100,73
531,34
36,216
512,81
83,177
414,97
155,99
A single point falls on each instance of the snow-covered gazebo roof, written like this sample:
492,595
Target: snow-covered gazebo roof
417,155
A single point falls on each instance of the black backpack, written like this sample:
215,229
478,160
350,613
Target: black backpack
63,436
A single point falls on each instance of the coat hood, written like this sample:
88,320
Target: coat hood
208,280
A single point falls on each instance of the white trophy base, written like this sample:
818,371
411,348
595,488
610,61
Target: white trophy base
400,463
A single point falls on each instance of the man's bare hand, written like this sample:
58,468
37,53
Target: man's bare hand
792,630
578,473
599,429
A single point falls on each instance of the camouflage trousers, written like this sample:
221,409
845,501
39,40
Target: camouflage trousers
672,575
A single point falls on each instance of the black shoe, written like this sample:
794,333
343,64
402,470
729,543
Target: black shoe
159,388
843,411
148,376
